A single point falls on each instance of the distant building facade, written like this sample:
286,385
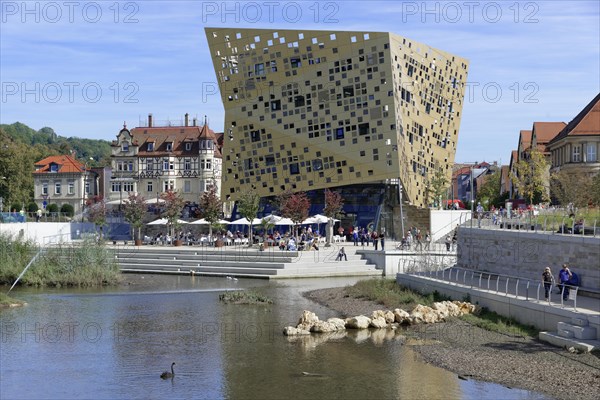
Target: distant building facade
63,180
576,146
150,159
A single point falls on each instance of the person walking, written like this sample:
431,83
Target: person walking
381,237
355,237
448,242
375,238
479,214
548,280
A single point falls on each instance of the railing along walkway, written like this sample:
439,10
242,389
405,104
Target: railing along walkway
510,286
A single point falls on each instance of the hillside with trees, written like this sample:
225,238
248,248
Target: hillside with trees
22,146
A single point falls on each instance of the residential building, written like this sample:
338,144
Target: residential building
576,146
63,180
467,178
308,110
505,184
152,159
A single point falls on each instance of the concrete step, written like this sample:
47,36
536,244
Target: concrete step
201,270
578,321
582,345
579,332
566,333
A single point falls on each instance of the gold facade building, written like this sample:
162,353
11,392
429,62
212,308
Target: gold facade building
310,110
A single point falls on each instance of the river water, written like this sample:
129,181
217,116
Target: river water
114,343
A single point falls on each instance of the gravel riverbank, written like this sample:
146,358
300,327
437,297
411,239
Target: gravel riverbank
474,353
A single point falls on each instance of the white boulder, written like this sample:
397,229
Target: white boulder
358,322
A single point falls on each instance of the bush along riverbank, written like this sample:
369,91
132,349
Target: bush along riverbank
6,301
85,264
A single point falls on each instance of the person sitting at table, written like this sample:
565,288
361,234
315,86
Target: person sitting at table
291,246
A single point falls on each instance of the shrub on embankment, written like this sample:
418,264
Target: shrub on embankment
84,264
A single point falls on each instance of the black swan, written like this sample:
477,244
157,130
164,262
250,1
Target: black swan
167,374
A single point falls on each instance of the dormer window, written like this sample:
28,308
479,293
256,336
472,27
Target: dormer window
53,167
206,144
188,146
125,147
150,146
170,146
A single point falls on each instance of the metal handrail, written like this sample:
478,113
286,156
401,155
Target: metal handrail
539,285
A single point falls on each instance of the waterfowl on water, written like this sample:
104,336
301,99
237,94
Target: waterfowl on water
167,374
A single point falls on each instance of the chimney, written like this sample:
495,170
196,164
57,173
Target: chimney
187,119
150,120
194,122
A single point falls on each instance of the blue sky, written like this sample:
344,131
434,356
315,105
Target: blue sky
85,67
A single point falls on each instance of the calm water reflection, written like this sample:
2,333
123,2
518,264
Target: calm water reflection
114,343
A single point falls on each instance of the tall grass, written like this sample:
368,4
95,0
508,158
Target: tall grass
390,294
84,264
6,301
552,220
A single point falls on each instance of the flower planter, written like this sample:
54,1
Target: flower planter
177,242
219,243
138,242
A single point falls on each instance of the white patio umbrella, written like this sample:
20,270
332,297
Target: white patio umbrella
164,221
202,221
318,219
244,221
154,201
284,221
115,202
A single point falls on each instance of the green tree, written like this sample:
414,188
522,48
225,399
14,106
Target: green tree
333,208
97,215
572,187
211,207
173,204
67,209
436,186
247,207
134,211
489,192
596,189
529,175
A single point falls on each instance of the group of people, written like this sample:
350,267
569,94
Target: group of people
364,236
566,280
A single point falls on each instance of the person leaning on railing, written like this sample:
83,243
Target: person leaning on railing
564,276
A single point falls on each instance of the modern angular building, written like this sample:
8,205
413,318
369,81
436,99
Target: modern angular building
308,110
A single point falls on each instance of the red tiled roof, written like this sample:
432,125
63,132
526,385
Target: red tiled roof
177,135
546,131
587,122
524,140
66,164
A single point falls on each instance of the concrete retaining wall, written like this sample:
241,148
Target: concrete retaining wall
525,254
540,315
39,232
444,221
394,261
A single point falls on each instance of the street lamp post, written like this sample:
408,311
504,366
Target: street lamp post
401,212
84,186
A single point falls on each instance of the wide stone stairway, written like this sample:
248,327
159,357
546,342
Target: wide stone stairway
242,261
